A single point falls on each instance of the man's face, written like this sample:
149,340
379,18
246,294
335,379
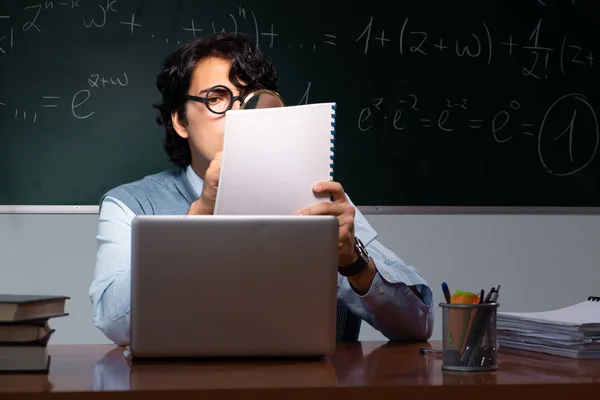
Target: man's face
204,130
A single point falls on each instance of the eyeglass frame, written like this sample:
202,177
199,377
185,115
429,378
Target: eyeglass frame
242,98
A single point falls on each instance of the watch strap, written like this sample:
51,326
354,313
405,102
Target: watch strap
361,262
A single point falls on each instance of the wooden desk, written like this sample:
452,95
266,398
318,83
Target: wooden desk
365,371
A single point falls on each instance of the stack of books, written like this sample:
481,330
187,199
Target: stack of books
25,331
572,331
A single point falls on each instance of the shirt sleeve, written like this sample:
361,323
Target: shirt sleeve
390,306
110,290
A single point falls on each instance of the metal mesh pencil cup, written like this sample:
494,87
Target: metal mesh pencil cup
469,337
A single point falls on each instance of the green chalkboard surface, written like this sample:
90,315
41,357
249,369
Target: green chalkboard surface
440,103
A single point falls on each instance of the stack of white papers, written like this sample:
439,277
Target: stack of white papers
572,331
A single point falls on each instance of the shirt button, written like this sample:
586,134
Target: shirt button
381,290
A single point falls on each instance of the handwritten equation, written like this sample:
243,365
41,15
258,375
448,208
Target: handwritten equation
75,102
580,144
80,97
107,16
407,40
412,40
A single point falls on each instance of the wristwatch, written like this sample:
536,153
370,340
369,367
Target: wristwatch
361,262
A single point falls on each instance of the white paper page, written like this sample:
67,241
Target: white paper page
586,312
273,157
564,352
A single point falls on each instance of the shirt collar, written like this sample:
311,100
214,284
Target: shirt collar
196,182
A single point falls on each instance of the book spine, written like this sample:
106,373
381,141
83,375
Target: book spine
332,140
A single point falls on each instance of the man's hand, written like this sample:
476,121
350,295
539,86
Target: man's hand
205,205
344,211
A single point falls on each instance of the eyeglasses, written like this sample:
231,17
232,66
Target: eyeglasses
219,99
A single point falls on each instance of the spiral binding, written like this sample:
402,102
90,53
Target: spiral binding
332,140
594,298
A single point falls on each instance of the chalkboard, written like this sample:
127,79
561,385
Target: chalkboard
440,103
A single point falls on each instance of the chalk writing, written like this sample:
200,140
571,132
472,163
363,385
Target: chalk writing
441,120
419,42
100,22
563,133
304,99
20,113
479,45
49,4
581,146
366,34
132,23
96,23
410,39
330,39
235,28
270,34
193,29
542,56
32,15
10,43
50,101
85,93
95,80
78,100
28,25
407,36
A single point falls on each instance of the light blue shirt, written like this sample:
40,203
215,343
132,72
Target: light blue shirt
389,306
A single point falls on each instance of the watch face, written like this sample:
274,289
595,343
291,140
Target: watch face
360,249
361,262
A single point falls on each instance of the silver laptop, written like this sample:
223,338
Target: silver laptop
241,286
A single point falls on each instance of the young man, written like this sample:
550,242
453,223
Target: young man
198,83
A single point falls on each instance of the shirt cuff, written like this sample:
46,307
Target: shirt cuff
379,291
384,292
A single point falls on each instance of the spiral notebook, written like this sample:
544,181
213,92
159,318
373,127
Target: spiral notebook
572,331
272,157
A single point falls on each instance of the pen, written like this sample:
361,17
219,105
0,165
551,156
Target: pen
489,295
481,296
446,292
423,350
479,337
495,297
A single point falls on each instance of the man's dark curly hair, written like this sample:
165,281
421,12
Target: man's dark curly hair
248,64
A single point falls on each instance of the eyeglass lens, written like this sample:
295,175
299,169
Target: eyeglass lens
218,99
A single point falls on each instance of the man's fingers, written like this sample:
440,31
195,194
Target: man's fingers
324,208
347,221
345,234
336,190
349,209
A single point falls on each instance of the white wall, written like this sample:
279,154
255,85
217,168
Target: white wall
541,261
